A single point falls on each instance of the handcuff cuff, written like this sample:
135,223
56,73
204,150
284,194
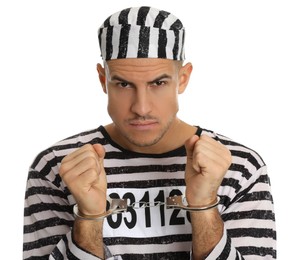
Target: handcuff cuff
118,206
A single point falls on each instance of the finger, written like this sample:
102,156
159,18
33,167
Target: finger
99,149
211,153
89,163
77,159
189,146
87,179
211,144
211,148
77,152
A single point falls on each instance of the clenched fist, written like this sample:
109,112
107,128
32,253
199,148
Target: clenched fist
207,163
83,173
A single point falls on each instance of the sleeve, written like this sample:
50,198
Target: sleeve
48,221
249,223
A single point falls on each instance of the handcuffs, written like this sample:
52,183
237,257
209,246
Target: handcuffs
118,206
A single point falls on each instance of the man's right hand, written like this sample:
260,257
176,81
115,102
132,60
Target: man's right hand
84,174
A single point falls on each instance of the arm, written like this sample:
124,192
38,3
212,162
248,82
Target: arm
88,235
244,226
207,231
207,163
48,220
83,173
48,216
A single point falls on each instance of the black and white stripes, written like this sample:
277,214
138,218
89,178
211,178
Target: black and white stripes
142,32
246,205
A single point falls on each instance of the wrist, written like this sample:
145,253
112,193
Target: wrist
80,215
117,206
201,201
177,202
205,202
89,236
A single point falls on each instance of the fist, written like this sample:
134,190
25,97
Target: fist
84,174
207,162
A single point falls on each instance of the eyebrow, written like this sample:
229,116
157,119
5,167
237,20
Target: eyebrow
115,77
161,77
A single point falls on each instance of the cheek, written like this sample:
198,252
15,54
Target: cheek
167,103
118,106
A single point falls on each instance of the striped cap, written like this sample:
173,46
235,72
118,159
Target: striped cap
142,32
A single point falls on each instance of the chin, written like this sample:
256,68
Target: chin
143,142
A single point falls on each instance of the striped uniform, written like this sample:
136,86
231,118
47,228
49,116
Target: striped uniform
142,32
246,205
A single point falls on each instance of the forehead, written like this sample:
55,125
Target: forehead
147,65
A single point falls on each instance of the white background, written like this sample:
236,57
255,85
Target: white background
244,59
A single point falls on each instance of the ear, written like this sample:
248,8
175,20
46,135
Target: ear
184,76
102,76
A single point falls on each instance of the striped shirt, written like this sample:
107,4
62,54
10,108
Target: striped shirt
154,232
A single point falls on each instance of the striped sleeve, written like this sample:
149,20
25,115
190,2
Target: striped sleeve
246,208
48,217
249,224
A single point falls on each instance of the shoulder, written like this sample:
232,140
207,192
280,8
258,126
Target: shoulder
242,155
247,177
48,160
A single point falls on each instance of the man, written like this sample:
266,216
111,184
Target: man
144,156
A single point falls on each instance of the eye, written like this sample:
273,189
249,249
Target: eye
158,83
123,84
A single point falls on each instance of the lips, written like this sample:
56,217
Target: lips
149,122
143,124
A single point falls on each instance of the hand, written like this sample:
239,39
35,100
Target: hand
84,174
207,163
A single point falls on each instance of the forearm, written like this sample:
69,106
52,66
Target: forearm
89,236
207,231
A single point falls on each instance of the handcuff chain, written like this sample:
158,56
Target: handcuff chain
118,206
146,204
174,202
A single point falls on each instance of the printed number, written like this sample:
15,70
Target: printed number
160,198
144,201
130,221
114,220
130,224
175,220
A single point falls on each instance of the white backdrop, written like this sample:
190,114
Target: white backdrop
244,59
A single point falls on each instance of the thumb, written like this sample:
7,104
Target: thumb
101,155
99,150
191,167
189,145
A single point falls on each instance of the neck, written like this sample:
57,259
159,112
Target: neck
174,138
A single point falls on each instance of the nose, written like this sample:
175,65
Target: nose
142,103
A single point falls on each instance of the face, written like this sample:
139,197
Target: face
143,99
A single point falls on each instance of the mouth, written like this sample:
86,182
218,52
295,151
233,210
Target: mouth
143,124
